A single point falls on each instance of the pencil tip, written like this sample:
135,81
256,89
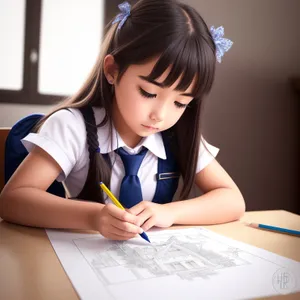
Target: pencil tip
145,237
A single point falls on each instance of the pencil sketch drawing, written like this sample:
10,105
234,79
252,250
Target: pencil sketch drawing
185,256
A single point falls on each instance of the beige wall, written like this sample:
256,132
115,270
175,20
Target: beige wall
251,112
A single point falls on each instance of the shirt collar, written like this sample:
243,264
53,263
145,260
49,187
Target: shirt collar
153,142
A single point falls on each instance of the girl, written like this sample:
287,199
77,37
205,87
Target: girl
145,94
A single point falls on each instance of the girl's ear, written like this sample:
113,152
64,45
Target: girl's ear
110,69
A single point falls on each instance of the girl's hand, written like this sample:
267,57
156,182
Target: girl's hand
152,214
116,224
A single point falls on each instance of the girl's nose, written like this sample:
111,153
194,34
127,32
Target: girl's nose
155,118
158,114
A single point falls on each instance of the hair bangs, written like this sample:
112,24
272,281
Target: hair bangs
190,62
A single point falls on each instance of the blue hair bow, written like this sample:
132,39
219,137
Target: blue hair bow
222,44
125,13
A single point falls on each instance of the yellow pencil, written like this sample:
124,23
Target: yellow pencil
111,196
118,204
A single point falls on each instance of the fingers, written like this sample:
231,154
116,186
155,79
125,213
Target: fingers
138,208
149,223
117,224
145,215
122,215
126,227
122,233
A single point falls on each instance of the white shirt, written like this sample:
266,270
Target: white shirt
63,136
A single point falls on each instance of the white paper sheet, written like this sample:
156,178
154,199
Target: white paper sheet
191,264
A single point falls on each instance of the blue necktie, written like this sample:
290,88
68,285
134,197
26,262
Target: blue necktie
130,191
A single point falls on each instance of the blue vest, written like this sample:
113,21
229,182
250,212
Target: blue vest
167,174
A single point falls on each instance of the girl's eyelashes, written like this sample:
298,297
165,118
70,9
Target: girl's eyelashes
180,105
146,94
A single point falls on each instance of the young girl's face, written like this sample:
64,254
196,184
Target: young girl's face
142,107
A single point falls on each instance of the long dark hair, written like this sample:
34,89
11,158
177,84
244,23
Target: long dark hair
177,34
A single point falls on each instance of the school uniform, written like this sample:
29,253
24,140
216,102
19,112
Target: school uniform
63,137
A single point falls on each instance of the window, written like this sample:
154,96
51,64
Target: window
12,24
49,47
70,35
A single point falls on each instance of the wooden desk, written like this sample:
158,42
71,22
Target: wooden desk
29,268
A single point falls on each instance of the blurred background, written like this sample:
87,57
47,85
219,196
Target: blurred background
252,114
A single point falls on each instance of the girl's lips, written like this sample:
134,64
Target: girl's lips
150,127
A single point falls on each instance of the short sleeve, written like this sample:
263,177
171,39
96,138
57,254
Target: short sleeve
207,154
63,137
